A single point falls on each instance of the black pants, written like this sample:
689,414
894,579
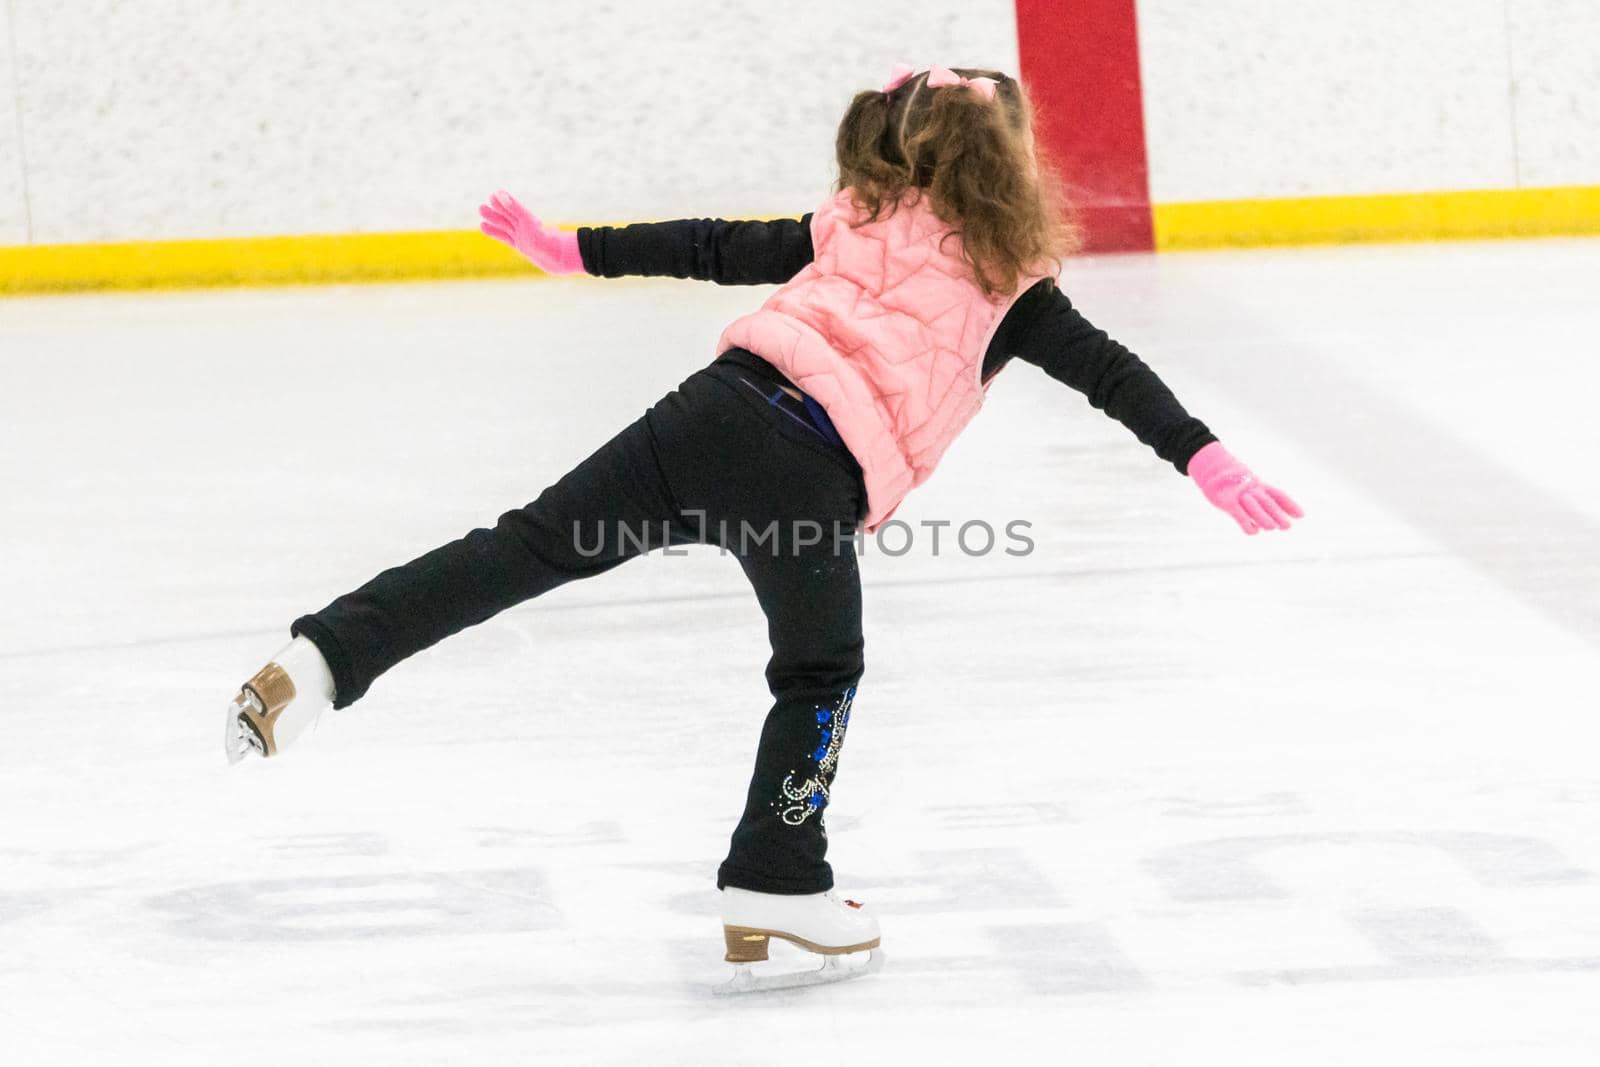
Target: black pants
726,458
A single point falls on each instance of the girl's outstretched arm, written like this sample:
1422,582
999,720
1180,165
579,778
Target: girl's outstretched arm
711,250
715,250
1044,329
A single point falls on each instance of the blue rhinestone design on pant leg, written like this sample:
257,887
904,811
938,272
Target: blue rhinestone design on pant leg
807,798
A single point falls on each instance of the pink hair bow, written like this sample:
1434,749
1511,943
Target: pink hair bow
899,74
939,78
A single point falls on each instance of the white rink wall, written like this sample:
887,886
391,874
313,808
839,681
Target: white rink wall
215,118
1249,99
13,212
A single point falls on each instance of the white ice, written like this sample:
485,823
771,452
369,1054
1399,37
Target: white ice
1155,793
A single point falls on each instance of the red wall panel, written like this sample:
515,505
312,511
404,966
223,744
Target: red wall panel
1080,61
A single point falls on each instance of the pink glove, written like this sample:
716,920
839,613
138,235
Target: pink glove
550,250
1229,485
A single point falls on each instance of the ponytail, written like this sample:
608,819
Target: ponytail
862,147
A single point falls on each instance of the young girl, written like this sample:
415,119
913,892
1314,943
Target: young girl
902,296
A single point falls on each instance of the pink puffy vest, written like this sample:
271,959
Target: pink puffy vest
887,329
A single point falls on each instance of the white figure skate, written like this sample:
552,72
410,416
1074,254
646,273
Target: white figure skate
817,922
282,701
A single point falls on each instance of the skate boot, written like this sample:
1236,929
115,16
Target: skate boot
282,701
816,922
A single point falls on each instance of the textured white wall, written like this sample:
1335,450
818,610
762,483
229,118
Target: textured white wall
13,206
1262,98
173,118
1555,49
1265,98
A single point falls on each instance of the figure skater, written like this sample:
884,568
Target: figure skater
901,297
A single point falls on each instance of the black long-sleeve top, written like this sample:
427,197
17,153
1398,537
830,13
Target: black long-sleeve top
1042,327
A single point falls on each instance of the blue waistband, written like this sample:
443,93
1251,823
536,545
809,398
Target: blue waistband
820,417
818,423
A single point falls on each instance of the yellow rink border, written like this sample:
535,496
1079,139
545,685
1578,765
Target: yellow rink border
385,257
311,259
1566,211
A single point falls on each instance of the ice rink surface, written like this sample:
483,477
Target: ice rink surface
1154,793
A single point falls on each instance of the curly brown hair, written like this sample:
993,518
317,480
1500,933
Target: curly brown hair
975,157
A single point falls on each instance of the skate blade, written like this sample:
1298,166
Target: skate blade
833,969
238,740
